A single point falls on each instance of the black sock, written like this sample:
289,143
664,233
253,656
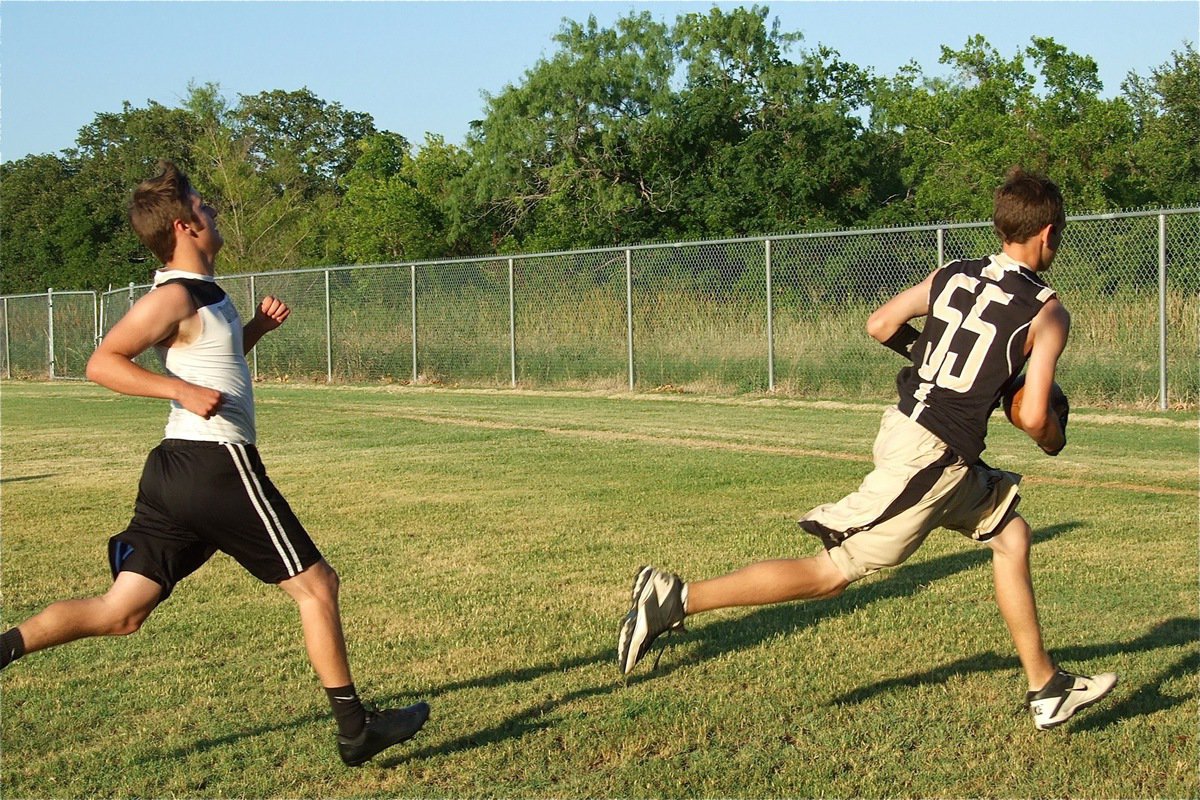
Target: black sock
12,647
347,710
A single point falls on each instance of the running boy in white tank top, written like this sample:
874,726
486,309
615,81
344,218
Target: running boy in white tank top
204,487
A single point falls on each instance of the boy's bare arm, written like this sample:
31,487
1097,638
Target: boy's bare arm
269,315
1047,338
889,323
155,318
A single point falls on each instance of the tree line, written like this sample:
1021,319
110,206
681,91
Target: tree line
719,125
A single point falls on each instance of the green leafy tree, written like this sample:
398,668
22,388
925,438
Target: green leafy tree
297,140
561,160
113,154
33,192
717,125
961,134
64,217
273,188
1078,137
1166,153
781,146
437,171
641,132
386,215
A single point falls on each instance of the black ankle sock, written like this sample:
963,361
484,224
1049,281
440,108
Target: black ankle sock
12,647
347,710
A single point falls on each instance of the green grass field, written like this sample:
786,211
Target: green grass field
486,541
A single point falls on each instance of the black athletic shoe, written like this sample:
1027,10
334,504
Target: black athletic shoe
657,607
1064,694
383,729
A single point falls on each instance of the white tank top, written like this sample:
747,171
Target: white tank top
215,360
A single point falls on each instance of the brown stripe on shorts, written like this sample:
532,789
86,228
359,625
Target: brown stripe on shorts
920,485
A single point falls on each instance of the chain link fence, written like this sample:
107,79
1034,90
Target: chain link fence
783,314
48,335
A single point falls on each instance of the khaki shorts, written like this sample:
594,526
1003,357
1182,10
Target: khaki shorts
918,484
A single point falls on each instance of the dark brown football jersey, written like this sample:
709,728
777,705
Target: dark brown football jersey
971,349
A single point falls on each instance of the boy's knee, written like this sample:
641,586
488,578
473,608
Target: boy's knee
1014,541
326,578
831,582
123,627
117,613
318,582
835,590
124,624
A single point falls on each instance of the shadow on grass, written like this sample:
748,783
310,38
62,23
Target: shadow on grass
238,736
534,718
1146,699
761,625
766,623
22,478
907,580
1149,698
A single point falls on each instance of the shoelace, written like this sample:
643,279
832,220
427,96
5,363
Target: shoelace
662,649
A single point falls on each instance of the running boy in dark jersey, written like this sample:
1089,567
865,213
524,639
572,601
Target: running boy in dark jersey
204,487
986,319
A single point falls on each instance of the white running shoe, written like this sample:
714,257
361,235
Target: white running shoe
657,607
1064,694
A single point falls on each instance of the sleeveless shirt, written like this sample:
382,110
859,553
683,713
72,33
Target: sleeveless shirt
971,349
214,360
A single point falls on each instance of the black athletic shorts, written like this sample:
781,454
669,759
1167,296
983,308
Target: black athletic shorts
196,498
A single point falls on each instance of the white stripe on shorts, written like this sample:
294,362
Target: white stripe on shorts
263,506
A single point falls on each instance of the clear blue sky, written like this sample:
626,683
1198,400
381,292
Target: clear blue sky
423,66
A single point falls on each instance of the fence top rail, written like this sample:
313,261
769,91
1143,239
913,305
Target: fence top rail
54,292
1160,212
504,258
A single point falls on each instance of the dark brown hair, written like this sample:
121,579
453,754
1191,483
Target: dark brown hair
1025,204
156,204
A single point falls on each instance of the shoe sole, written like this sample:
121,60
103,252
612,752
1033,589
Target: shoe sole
1076,709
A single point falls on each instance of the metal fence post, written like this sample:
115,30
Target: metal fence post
131,294
770,320
941,246
50,332
1162,312
412,293
629,312
96,309
512,327
7,350
328,334
254,352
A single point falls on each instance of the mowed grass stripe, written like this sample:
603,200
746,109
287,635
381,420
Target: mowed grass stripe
713,440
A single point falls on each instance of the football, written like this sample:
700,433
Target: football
1012,402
